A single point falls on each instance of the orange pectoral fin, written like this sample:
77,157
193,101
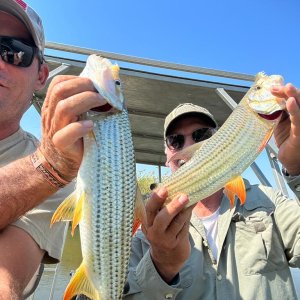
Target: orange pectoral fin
235,187
265,141
140,211
230,195
78,212
136,225
65,210
69,210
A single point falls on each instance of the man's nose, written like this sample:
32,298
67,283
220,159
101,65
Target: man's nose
188,141
2,62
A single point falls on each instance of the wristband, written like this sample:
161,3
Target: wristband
42,165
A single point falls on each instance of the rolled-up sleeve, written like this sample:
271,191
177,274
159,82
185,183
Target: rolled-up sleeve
294,184
287,218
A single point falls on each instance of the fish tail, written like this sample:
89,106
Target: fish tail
81,284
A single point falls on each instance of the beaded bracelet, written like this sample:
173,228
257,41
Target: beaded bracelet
42,165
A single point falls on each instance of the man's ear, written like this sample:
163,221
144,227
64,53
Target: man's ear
42,77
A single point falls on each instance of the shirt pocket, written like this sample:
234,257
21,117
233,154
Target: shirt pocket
259,248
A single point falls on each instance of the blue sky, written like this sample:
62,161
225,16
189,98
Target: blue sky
239,36
236,36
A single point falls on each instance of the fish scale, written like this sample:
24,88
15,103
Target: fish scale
225,156
110,268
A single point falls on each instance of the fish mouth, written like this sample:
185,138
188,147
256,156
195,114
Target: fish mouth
103,108
275,115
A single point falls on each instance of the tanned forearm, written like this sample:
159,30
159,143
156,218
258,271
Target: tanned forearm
22,188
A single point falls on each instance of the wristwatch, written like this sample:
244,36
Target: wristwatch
287,175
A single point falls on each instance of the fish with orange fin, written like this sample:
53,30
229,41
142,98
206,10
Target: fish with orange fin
105,203
219,161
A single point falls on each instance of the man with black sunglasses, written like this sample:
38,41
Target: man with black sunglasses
209,251
32,172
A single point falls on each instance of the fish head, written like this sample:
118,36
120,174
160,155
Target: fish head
262,101
106,79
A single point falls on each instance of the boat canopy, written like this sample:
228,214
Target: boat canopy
152,89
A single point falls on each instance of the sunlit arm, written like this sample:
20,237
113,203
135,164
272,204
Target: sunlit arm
22,188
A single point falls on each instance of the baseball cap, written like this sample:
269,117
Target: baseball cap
188,108
29,17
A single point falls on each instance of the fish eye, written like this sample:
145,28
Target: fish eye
117,82
257,87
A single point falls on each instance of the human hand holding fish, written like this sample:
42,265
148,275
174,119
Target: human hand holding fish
167,230
287,132
62,131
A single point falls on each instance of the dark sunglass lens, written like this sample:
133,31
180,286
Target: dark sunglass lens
175,141
15,52
7,55
201,134
23,53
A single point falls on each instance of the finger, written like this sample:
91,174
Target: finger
56,80
70,134
169,212
180,221
292,91
154,204
63,88
184,232
69,110
50,102
286,91
294,111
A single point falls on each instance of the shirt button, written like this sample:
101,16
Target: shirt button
297,187
169,296
219,277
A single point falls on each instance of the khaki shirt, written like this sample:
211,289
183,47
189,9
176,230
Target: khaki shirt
257,243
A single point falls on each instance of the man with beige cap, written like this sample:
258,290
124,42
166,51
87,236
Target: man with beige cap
209,251
32,172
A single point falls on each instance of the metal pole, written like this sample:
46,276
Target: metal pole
149,62
57,266
277,172
159,173
260,175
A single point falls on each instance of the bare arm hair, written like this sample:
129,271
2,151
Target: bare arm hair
22,188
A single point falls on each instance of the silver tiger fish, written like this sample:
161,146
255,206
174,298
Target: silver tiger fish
219,161
103,203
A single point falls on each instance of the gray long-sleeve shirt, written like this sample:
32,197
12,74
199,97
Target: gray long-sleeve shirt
257,243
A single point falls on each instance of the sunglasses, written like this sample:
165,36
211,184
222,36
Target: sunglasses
18,52
176,141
